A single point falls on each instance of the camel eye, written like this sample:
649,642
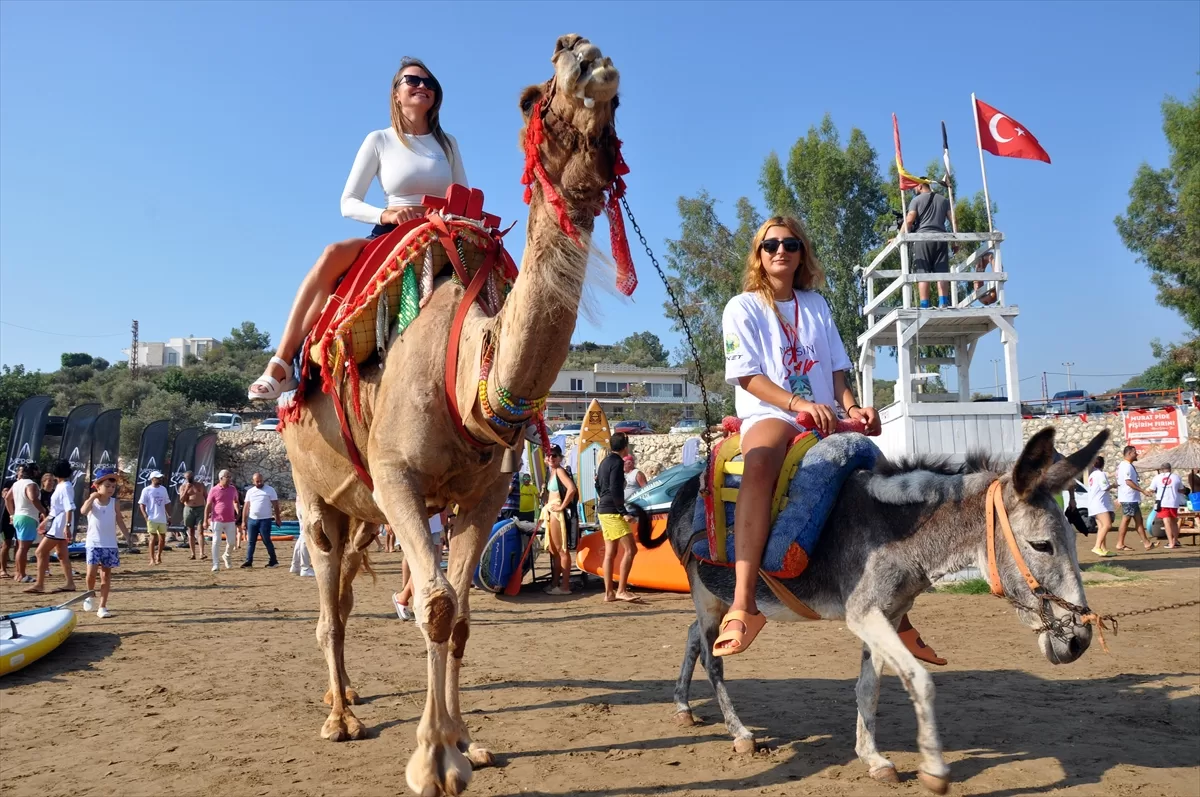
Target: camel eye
1042,546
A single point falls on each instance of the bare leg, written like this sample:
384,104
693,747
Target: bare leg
763,449
64,559
564,566
1121,529
628,551
310,299
1103,524
4,551
1172,526
22,557
105,585
42,564
1141,530
610,555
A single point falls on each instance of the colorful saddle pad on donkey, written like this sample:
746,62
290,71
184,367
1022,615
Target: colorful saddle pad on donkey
809,482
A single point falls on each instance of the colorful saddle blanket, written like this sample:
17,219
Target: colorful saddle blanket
809,482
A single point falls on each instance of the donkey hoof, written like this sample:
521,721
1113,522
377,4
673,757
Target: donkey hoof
936,784
743,744
885,775
685,719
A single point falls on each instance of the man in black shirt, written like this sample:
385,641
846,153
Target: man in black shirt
614,519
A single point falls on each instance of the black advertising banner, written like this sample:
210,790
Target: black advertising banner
106,441
204,461
76,448
152,456
183,454
28,429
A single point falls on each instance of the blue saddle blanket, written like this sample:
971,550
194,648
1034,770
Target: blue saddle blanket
811,496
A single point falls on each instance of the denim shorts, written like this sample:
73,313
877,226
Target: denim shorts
105,557
1131,509
380,229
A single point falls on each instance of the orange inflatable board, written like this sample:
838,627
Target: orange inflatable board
656,568
595,427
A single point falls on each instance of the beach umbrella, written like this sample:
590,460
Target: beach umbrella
1184,456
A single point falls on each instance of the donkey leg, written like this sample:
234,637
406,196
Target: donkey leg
709,611
683,687
436,766
327,531
466,546
879,634
867,692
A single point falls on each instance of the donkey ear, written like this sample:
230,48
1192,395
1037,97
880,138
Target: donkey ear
1062,473
1037,456
530,97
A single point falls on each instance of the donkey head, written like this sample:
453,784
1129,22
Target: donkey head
1047,544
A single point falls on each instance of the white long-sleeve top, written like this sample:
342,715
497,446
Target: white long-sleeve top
406,174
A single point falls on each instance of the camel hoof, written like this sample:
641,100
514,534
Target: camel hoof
685,719
885,775
480,756
743,744
438,770
351,697
937,785
339,729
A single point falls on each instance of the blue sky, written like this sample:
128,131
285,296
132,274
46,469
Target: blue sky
181,163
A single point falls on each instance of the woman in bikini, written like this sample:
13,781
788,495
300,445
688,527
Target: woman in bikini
412,158
784,356
561,494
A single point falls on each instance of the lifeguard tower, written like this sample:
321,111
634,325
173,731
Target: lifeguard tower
919,421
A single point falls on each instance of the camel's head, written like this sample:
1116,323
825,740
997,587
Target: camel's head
575,113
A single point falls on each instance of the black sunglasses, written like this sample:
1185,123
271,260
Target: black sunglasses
416,80
789,245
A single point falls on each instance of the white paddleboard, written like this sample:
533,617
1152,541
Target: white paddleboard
37,635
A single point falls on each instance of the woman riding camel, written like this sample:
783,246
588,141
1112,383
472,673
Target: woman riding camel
784,356
412,158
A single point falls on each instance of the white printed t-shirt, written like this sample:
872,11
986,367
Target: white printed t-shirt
1098,498
1166,490
1125,493
62,501
155,499
760,340
259,499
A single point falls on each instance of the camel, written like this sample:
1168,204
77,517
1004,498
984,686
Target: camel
417,458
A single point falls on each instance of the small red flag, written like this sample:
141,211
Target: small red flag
1002,135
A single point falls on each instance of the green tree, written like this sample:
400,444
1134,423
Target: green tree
246,338
16,385
100,364
1162,223
705,266
222,388
70,359
838,192
642,349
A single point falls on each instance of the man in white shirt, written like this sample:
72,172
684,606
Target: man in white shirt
1167,489
153,504
1100,505
260,508
1129,496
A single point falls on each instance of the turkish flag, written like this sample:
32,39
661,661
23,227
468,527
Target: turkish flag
1002,135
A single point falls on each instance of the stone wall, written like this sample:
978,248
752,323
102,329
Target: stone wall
244,453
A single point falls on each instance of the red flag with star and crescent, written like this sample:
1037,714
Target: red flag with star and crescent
1002,135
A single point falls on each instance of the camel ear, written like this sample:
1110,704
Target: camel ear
1037,456
567,42
530,97
1059,475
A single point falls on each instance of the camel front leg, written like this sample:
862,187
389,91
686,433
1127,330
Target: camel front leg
466,546
437,766
326,531
879,635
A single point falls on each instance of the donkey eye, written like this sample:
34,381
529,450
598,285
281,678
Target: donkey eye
1041,546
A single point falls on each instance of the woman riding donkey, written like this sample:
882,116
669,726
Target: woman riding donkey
412,159
784,356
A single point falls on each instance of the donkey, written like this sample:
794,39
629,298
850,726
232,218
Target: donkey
893,531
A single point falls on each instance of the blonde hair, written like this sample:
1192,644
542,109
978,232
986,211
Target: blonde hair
809,274
401,125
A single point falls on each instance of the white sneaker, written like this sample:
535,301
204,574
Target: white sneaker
88,604
216,568
308,572
225,559
295,571
103,613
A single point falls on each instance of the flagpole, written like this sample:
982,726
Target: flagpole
982,168
949,187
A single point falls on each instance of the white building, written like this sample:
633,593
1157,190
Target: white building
627,388
173,352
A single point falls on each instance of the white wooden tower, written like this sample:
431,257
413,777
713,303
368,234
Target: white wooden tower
945,424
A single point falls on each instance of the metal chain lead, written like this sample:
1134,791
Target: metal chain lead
687,332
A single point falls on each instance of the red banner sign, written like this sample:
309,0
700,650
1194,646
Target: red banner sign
1165,428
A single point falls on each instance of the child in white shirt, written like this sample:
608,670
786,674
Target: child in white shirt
104,516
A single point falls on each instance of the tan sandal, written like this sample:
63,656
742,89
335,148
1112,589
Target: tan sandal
911,638
740,639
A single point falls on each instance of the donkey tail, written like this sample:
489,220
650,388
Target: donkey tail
644,528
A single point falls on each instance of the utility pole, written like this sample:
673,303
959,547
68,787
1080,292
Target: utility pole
134,354
996,375
1069,385
1045,392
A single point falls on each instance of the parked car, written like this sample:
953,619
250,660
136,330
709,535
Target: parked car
268,425
632,427
1069,402
224,421
569,428
688,426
